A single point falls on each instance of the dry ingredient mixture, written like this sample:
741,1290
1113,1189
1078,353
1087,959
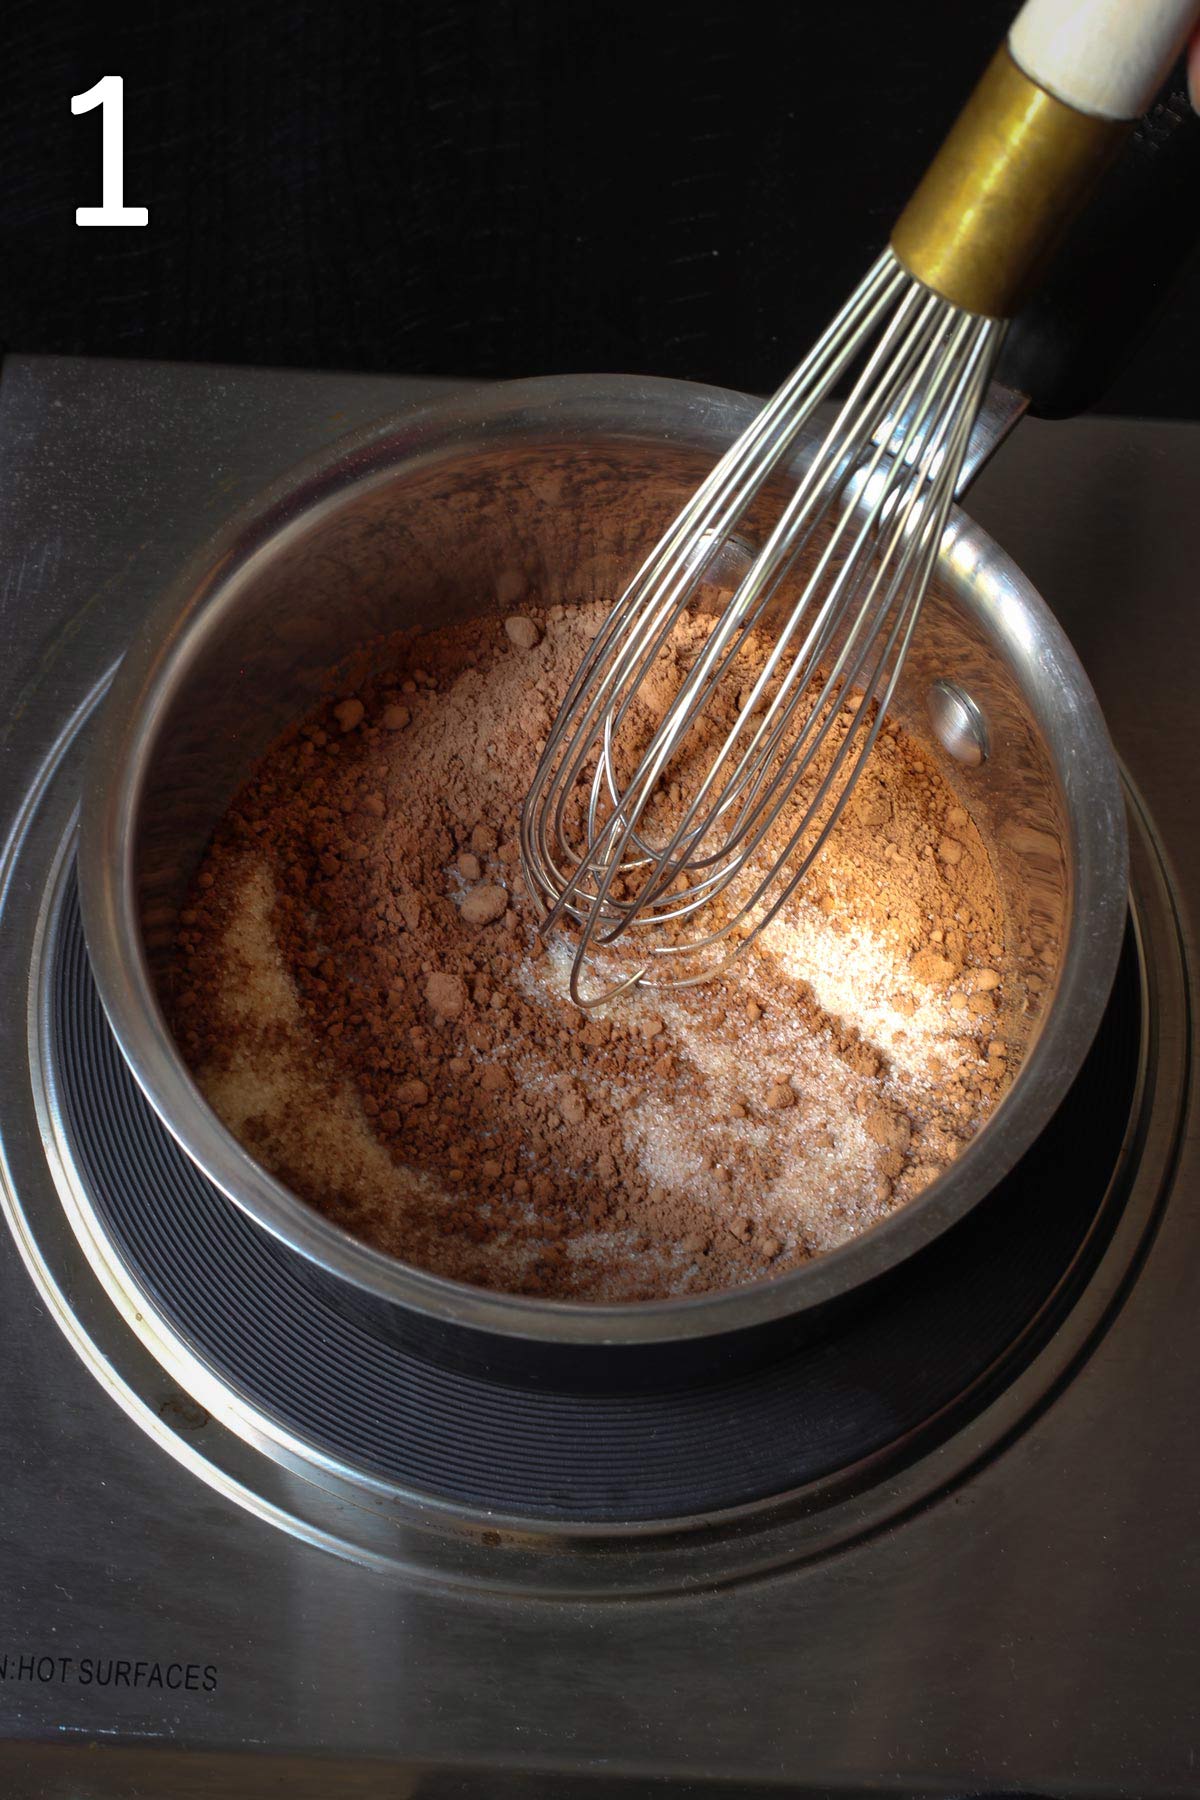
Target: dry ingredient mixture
362,995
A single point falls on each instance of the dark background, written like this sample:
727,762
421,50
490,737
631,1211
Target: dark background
510,188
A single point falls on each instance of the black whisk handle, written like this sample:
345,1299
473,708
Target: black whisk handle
1114,270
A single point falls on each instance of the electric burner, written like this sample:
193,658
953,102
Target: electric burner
943,1547
942,1332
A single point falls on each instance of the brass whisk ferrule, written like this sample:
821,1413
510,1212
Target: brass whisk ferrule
1017,167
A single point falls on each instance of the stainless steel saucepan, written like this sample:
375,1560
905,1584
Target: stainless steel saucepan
550,490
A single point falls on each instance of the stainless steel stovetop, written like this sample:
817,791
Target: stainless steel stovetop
187,1609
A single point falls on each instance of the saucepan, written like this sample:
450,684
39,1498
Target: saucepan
550,490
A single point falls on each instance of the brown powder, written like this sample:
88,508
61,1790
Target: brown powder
362,994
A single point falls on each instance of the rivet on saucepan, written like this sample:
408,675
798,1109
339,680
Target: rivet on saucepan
959,725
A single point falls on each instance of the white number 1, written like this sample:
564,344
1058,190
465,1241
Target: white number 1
109,95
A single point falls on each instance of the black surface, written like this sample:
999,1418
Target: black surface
947,1326
685,187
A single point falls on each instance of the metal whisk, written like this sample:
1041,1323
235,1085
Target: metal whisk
898,443
609,840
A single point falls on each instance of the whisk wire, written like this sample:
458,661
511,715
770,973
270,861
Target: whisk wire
734,479
751,599
865,518
845,674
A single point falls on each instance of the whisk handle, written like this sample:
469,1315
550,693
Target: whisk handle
1107,58
1114,270
1031,144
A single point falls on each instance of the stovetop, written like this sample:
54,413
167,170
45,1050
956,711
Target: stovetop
1009,1606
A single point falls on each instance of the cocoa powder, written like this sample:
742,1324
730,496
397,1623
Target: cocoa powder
362,994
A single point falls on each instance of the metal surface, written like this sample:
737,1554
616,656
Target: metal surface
1002,411
845,548
1016,1613
424,518
957,723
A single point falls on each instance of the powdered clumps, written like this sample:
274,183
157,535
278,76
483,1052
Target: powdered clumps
522,632
485,904
362,993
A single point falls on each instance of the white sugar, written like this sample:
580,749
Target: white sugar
827,1180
